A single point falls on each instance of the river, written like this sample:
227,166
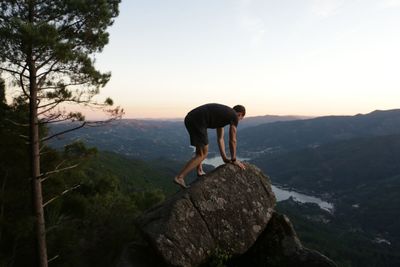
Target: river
281,193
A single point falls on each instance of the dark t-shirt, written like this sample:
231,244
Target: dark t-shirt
214,116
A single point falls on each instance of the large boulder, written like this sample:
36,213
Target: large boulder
279,245
227,209
229,213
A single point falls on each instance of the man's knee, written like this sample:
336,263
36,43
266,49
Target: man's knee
202,151
205,152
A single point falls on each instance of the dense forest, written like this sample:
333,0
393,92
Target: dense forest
91,208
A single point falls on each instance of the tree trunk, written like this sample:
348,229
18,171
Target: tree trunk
34,139
35,174
3,200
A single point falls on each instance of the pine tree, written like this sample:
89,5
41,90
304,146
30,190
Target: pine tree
48,48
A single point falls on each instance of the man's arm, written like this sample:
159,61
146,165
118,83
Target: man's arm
232,141
232,146
221,144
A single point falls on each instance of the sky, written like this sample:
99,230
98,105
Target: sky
279,57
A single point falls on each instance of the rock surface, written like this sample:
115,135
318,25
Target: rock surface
227,212
227,209
279,245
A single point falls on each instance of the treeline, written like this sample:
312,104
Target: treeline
89,211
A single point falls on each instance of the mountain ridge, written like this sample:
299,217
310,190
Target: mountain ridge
292,135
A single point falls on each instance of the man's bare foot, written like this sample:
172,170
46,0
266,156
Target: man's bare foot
240,164
180,182
201,174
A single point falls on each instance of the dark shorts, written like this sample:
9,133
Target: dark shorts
197,131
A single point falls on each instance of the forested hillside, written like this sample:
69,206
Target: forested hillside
291,135
362,178
336,167
90,209
338,238
146,140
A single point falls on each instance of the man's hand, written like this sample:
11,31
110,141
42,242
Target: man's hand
226,160
238,163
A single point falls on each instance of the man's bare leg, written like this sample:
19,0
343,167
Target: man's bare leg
200,171
201,154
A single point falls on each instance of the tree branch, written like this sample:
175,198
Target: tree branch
66,85
43,75
47,175
24,136
63,132
60,195
22,82
52,259
50,118
17,124
14,72
54,120
55,104
59,101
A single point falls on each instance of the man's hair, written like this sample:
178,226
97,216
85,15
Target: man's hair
240,108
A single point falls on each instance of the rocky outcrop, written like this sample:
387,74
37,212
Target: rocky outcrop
227,209
279,245
231,211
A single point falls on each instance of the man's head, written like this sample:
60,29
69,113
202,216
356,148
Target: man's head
240,110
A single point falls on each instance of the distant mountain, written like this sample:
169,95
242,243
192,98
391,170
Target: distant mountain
337,167
360,176
291,135
151,139
258,120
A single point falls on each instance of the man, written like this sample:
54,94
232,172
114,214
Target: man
214,116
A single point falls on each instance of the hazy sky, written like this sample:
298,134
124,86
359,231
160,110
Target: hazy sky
301,57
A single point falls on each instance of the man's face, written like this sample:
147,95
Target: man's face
240,116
